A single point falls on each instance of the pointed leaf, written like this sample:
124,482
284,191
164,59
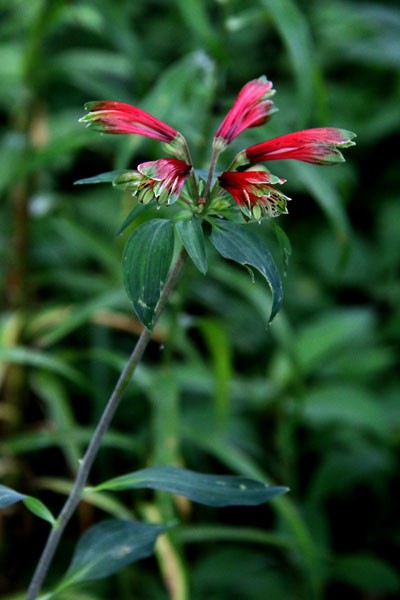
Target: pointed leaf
41,360
108,547
8,497
39,509
368,573
191,235
145,264
211,490
237,243
284,243
131,216
293,27
107,177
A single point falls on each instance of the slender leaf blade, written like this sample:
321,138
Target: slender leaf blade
191,235
40,360
8,496
295,31
39,509
145,264
108,547
107,177
131,216
237,243
211,490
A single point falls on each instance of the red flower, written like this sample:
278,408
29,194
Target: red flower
319,146
252,189
162,179
117,117
251,108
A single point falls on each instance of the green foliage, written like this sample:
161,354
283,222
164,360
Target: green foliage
145,265
211,490
8,497
122,542
311,403
191,235
236,243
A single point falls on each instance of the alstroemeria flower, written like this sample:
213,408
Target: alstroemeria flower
166,177
250,109
160,180
252,190
120,118
318,146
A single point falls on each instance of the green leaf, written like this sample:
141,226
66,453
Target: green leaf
107,177
344,404
191,235
59,412
326,195
295,31
145,264
40,360
237,243
39,509
211,490
367,573
108,547
333,334
198,22
185,88
8,497
131,216
284,243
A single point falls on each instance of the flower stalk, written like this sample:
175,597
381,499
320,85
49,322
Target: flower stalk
92,450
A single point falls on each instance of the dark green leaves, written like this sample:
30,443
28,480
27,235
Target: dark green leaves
108,547
211,490
149,250
191,235
237,243
145,264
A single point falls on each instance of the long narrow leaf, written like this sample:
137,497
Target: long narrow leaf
211,490
107,177
295,32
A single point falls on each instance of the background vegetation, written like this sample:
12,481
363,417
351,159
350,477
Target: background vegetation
311,403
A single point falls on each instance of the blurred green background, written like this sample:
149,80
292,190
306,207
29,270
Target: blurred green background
311,403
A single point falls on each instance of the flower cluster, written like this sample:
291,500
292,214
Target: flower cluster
250,185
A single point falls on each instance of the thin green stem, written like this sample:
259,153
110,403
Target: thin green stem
195,187
213,162
94,445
